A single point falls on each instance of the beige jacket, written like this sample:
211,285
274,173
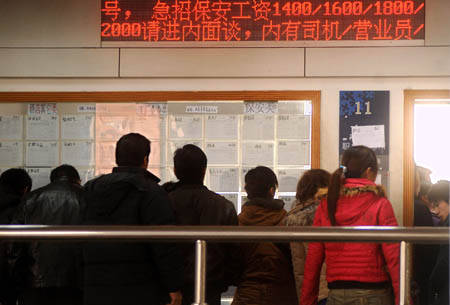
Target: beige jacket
303,215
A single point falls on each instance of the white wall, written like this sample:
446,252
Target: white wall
54,45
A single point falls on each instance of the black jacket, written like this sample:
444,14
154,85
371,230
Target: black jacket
195,205
129,273
439,279
48,264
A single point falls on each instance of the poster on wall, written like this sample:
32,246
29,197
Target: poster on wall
364,120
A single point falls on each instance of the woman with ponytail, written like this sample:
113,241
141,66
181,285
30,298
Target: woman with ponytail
357,273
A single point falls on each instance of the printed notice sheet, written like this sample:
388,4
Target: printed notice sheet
258,127
174,145
42,127
157,154
223,179
185,127
40,176
86,174
255,153
221,152
11,127
42,153
11,154
77,153
222,126
150,126
112,127
293,152
289,202
292,126
288,179
371,136
77,127
105,154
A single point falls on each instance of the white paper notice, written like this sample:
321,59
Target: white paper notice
77,153
371,136
157,154
288,202
40,176
293,126
257,154
185,127
112,127
42,127
222,127
288,179
223,179
105,155
86,174
11,154
150,126
77,127
293,153
258,127
174,145
11,127
221,152
87,108
42,154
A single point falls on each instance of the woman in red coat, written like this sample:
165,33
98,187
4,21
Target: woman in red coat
357,273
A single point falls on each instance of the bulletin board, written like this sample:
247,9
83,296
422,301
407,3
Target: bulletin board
236,130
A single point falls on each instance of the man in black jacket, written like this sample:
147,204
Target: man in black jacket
14,184
194,205
130,273
48,273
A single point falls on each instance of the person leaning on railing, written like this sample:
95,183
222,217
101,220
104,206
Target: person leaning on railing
355,271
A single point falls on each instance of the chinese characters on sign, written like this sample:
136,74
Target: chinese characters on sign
261,20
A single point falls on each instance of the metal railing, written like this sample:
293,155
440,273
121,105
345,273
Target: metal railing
235,234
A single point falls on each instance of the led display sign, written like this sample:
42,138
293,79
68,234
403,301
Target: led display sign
261,20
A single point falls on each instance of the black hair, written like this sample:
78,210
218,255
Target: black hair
424,178
439,191
357,160
65,171
310,182
190,164
131,150
16,181
258,182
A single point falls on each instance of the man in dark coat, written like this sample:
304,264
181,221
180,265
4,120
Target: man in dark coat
195,205
48,272
14,184
439,279
130,273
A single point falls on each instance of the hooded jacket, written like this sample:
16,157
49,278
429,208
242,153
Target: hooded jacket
303,215
43,264
361,203
129,273
196,205
267,277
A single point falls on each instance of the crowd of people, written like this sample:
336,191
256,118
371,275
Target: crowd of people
135,273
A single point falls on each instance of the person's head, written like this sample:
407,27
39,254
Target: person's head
439,198
310,182
423,183
133,150
16,181
357,162
261,182
190,164
66,172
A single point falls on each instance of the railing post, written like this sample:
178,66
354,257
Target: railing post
200,272
404,273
